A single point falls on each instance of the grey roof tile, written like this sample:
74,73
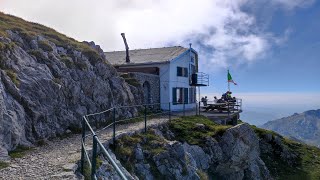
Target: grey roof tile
139,56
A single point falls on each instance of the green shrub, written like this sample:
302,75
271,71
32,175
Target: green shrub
2,46
45,46
19,152
27,35
81,65
13,76
92,55
67,61
3,165
37,54
133,82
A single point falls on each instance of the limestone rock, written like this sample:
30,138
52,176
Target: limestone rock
45,91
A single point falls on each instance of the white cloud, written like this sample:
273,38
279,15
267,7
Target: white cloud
222,33
291,4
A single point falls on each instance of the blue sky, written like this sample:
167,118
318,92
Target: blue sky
293,66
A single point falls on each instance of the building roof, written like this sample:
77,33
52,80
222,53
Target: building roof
145,56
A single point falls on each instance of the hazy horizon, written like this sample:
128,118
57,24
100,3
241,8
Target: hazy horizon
259,108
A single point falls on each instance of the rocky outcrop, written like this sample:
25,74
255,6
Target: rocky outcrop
303,127
45,88
234,155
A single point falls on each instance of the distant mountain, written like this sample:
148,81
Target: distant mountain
304,126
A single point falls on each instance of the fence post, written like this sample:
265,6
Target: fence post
169,111
94,157
199,108
184,109
145,118
82,141
114,127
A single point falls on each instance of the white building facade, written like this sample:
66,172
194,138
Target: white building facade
173,65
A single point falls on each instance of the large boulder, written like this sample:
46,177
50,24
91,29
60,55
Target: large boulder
241,155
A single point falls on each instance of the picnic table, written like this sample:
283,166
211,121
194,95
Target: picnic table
225,106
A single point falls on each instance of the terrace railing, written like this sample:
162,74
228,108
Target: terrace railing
91,124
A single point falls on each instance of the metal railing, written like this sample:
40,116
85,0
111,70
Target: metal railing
109,118
231,105
199,79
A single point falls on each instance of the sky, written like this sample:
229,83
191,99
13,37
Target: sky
271,47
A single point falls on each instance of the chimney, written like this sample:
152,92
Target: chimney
127,48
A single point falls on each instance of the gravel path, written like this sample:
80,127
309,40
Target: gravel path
56,159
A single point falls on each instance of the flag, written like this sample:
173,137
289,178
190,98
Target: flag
230,79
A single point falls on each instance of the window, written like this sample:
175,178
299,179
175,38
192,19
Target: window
181,71
192,59
180,95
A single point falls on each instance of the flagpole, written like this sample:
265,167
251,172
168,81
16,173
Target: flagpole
228,82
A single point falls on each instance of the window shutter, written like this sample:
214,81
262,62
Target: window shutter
174,95
185,72
190,95
185,95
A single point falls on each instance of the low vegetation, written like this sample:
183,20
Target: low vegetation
19,152
149,141
3,164
44,45
13,76
305,163
29,30
184,128
130,80
194,129
87,169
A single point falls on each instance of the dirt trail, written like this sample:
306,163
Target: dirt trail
57,158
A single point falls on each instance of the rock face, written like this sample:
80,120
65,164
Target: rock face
45,88
234,155
302,127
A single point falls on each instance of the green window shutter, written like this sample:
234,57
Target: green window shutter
174,95
185,72
191,95
185,95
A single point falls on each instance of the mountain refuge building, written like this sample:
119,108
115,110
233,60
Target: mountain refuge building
168,74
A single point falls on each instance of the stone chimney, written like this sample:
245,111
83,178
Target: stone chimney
127,48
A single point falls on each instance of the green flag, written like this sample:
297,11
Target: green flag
230,78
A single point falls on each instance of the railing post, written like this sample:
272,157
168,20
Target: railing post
184,108
199,108
145,118
82,141
94,157
169,111
114,127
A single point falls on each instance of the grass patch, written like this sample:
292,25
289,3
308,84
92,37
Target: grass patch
3,165
28,31
149,142
67,61
186,130
263,132
44,45
202,175
37,54
305,166
132,81
19,152
13,76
